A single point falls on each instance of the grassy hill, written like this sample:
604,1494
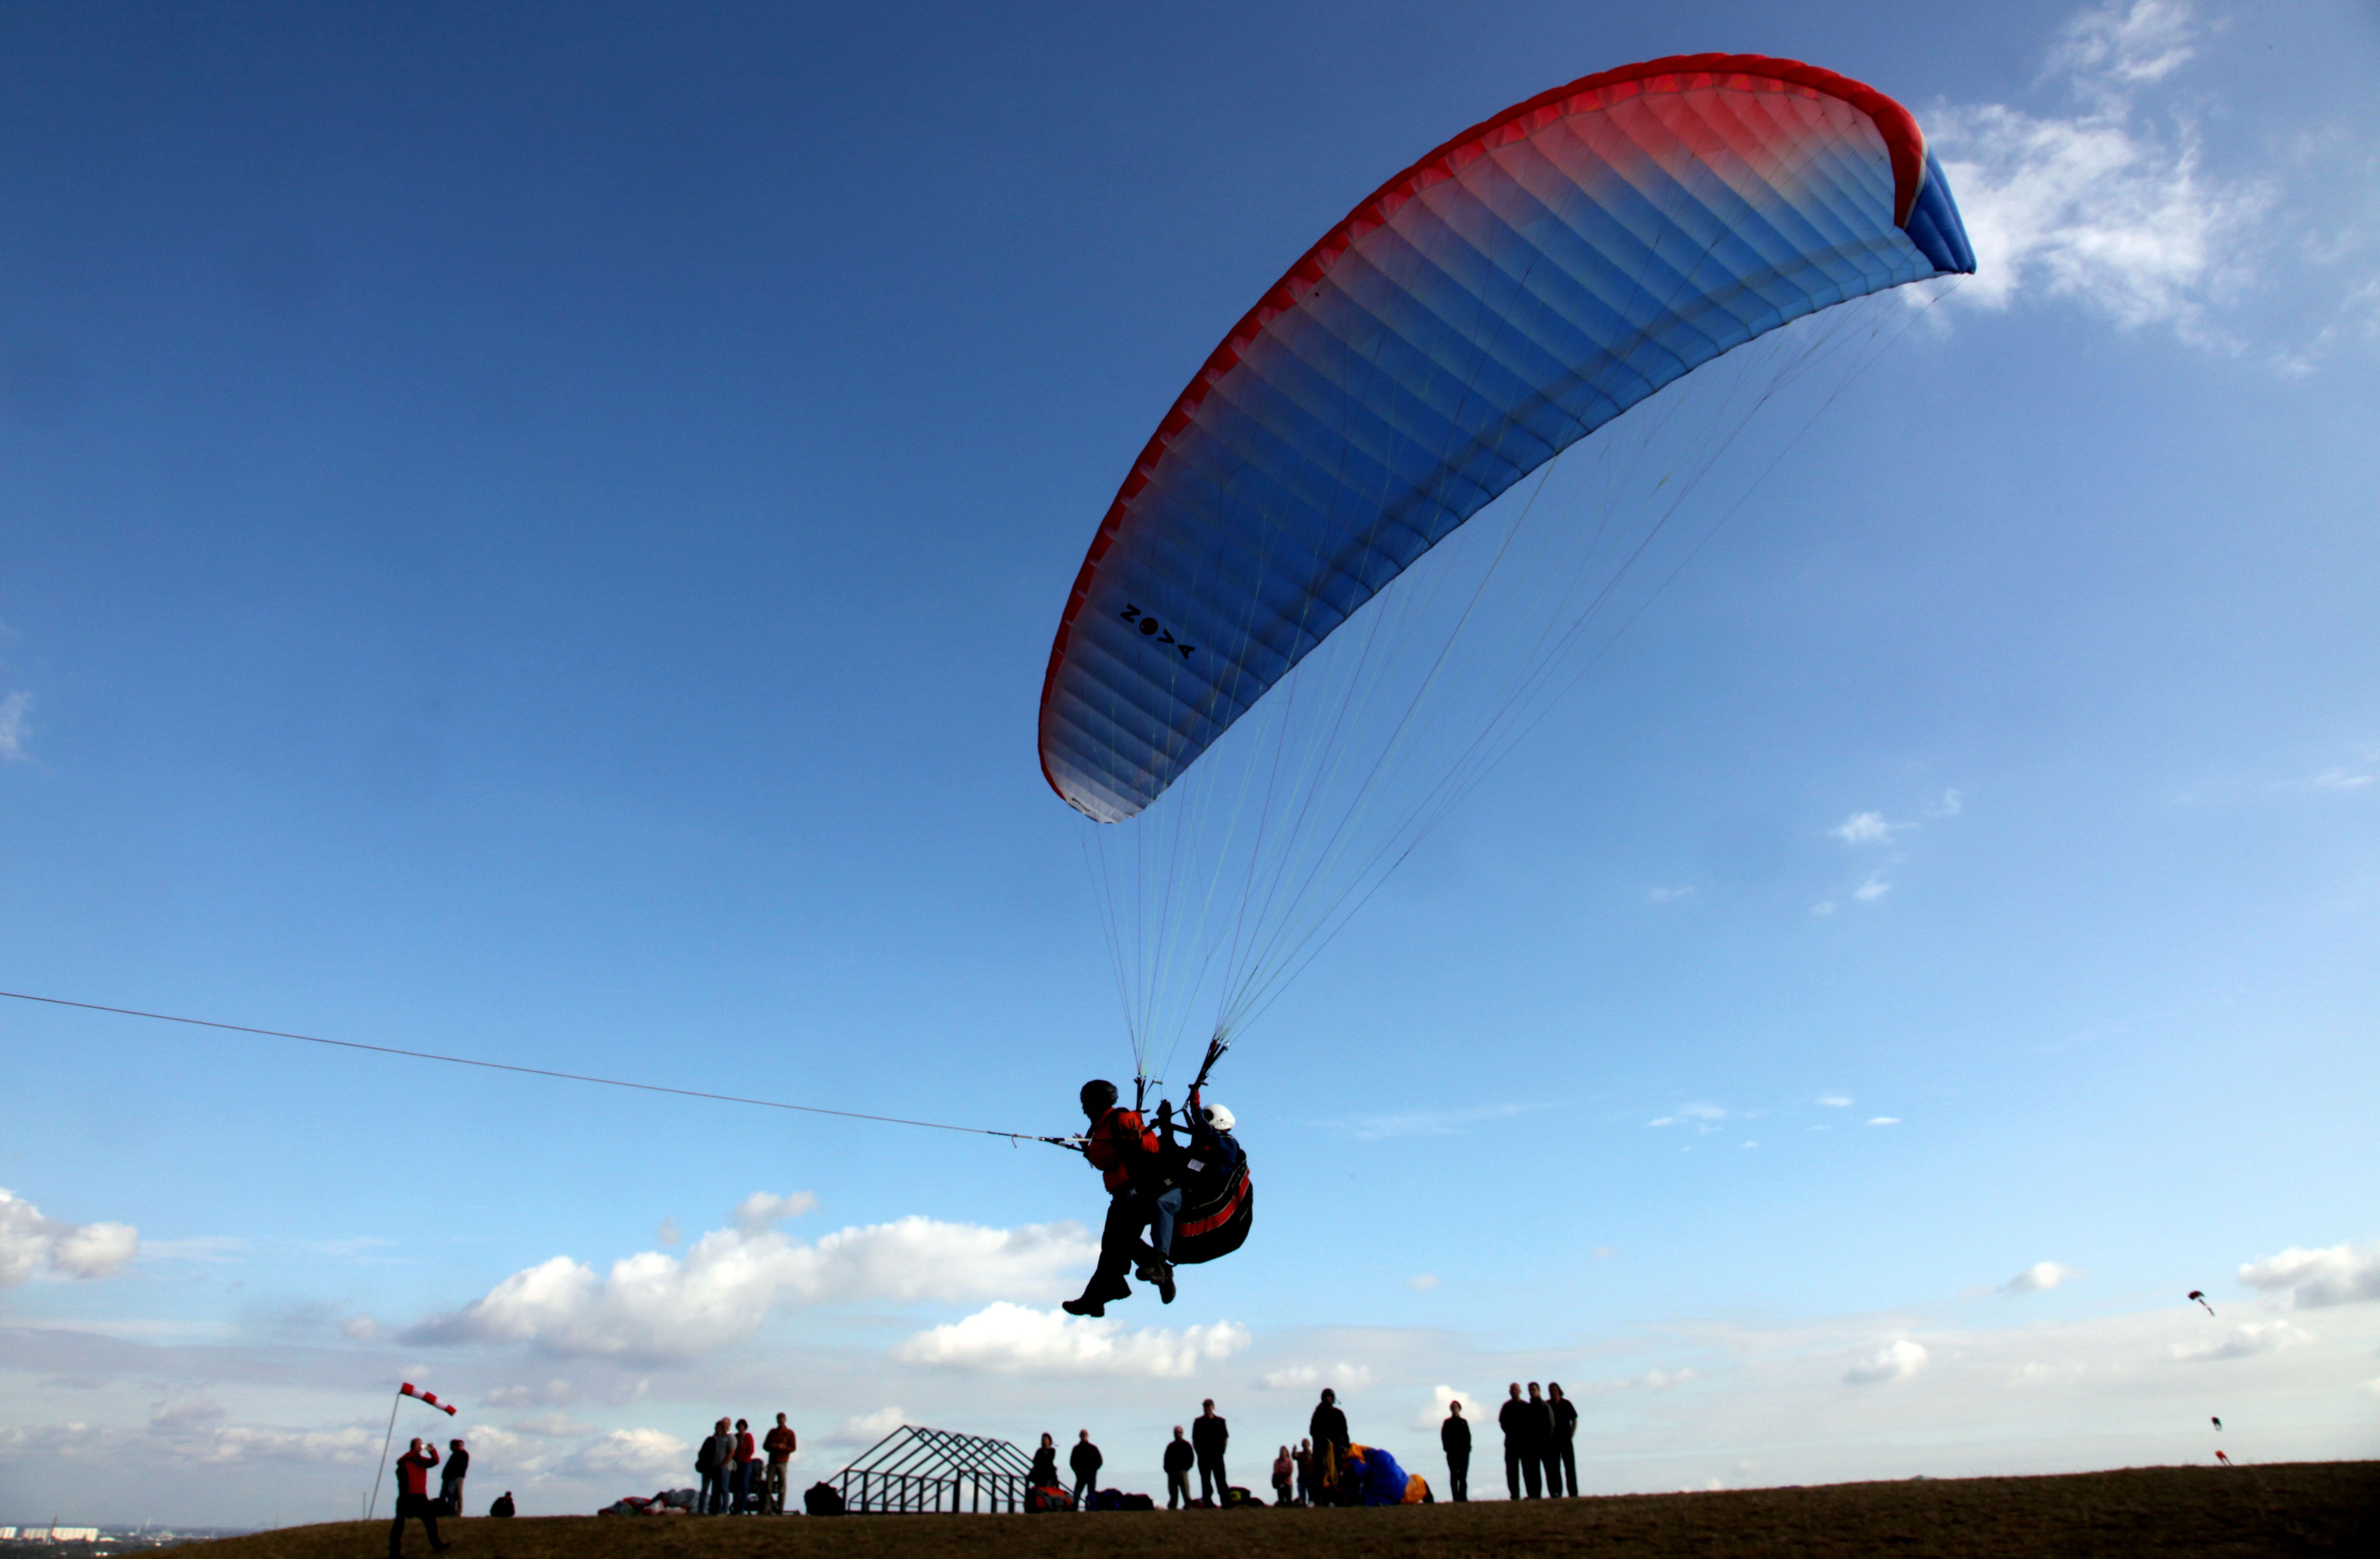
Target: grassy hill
2305,1509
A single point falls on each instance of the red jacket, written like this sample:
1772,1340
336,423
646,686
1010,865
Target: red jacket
744,1447
413,1470
1117,1137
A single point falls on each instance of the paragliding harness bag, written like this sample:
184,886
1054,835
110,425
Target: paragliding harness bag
1216,1215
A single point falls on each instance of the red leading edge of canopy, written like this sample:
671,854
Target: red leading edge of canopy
1904,142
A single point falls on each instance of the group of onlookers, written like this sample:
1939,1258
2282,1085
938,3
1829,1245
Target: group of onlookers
736,1482
413,1501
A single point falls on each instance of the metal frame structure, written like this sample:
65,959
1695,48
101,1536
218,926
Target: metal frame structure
915,1471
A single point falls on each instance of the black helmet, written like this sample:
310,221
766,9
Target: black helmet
1098,1095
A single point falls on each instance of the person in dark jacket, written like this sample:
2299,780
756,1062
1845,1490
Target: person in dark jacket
413,1498
1304,1457
715,1461
1455,1436
504,1505
1045,1466
1179,1458
1209,1435
450,1477
1086,1461
1329,1428
1524,1444
1124,1151
1545,1436
1561,1458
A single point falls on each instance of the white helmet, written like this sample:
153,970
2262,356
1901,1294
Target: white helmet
1221,1118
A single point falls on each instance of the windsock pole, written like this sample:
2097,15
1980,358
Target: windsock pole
386,1440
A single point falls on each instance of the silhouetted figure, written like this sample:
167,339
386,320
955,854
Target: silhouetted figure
1304,1457
1045,1466
1125,1150
780,1445
1561,1461
450,1478
1455,1436
1329,1428
1284,1478
1523,1430
413,1498
1209,1435
714,1462
740,1479
1086,1461
504,1505
1179,1458
1545,1454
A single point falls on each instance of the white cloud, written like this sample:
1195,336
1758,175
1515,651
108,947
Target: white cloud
866,1428
1951,806
553,1426
1422,1282
30,1243
1667,896
1868,828
1883,1120
1835,1101
2040,1278
669,1232
1823,908
1307,1377
761,1212
639,1456
228,1445
1895,1361
1440,1397
1436,1123
2244,1342
553,1393
2341,1274
13,731
1662,1380
1007,1338
2340,779
1871,889
654,1305
169,1416
2093,207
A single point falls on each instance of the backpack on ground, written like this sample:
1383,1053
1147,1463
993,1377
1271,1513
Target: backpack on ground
1237,1498
1050,1497
823,1499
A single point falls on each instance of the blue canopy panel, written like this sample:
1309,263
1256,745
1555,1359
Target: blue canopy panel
1505,297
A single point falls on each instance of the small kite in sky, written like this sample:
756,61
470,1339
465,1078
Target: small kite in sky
2200,1295
2216,1422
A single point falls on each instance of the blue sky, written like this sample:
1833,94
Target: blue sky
536,535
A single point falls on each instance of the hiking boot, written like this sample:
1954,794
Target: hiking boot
1165,1283
1084,1306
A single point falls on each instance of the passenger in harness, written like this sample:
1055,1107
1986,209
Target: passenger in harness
1140,1192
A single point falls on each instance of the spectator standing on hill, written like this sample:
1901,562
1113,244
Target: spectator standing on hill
1544,1412
718,1454
450,1477
413,1498
744,1504
780,1445
1284,1474
1209,1435
1521,1444
1304,1457
1455,1436
1179,1458
1329,1428
1561,1461
1045,1465
1086,1461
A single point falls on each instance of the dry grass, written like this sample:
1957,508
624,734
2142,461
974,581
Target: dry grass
2309,1508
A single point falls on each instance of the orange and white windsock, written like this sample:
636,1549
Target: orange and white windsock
410,1389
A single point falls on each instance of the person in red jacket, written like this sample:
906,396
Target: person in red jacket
1124,1151
413,1498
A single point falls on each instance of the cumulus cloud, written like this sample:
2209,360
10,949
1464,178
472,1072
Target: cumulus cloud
1007,1338
638,1456
553,1393
1307,1377
30,1243
866,1428
1441,1399
761,1212
1871,889
1422,1283
2243,1342
1837,1101
2340,1274
1868,828
657,1306
13,709
2095,206
1895,1361
2040,1278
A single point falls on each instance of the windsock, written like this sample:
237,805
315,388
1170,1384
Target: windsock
410,1389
